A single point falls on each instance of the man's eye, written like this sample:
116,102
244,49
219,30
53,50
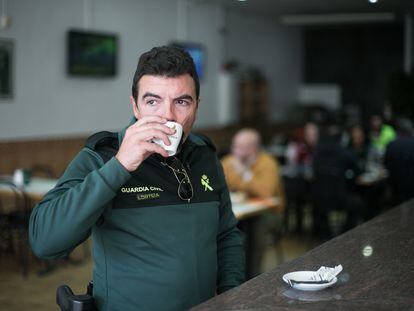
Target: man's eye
151,102
182,102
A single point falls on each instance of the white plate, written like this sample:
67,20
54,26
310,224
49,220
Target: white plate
306,276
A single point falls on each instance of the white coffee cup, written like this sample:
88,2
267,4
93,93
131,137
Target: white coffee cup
175,138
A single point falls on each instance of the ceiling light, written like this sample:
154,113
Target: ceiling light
373,1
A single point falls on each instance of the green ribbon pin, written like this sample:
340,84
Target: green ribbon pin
206,183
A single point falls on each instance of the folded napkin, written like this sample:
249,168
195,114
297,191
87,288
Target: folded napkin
323,275
326,273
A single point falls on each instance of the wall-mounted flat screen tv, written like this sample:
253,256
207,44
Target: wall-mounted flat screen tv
91,53
198,54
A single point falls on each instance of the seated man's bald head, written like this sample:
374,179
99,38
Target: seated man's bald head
246,144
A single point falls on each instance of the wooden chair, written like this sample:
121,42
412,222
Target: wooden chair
15,213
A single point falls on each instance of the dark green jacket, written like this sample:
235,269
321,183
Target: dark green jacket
151,250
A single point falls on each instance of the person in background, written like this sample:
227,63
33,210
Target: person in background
163,231
299,152
359,145
368,161
250,170
333,184
381,134
399,161
299,155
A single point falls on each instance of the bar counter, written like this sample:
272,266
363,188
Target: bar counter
378,272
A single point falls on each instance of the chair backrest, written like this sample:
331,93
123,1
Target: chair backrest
16,211
16,202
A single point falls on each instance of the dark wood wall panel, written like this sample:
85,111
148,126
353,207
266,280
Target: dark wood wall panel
55,153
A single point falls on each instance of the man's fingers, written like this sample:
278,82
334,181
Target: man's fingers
149,133
154,126
154,148
150,119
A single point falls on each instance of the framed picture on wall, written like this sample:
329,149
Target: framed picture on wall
6,68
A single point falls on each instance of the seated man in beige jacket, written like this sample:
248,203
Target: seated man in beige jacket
252,171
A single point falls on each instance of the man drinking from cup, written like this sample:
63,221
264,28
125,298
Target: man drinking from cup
162,239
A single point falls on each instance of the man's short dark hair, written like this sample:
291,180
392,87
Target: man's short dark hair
168,61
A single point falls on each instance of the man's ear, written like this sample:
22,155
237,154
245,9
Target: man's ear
134,107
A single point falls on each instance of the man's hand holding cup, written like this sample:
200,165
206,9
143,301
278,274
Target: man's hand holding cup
150,134
174,139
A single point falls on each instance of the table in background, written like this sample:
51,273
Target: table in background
253,207
35,190
378,274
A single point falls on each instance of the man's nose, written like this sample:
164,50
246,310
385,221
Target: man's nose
169,112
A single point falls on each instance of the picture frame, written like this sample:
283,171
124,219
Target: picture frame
6,68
